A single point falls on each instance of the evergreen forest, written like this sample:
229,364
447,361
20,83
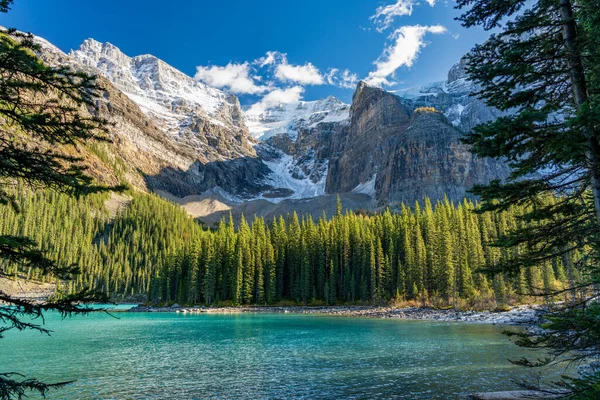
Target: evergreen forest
150,250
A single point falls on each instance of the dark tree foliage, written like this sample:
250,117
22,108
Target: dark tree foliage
543,70
433,254
42,119
5,5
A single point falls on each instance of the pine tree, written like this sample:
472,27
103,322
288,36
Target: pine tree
42,117
542,66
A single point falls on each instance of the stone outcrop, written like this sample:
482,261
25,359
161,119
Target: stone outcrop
375,116
428,160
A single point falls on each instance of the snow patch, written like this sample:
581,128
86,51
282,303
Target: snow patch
226,195
281,178
367,187
289,118
157,87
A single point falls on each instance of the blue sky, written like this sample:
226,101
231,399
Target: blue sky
268,50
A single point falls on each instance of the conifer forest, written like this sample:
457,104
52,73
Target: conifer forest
152,250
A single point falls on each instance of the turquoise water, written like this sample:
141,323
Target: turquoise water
262,356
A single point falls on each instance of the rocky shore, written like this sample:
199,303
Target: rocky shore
522,315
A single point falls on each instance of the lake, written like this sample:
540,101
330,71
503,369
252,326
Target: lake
262,356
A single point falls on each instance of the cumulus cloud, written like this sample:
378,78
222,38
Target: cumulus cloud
269,59
385,15
431,2
344,79
273,78
306,74
232,77
276,97
407,42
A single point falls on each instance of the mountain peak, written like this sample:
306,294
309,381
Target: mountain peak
149,81
95,49
364,92
458,70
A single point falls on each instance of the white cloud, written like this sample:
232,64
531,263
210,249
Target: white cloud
276,97
344,79
407,43
272,77
232,77
270,58
306,74
385,15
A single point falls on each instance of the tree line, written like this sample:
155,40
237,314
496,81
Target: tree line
431,254
151,249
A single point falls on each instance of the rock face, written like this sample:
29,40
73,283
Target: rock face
375,117
428,160
453,98
399,149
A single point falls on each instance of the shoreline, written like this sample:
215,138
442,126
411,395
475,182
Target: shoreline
518,315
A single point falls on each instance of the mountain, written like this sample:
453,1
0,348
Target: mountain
289,118
170,133
196,145
207,119
397,148
453,98
399,151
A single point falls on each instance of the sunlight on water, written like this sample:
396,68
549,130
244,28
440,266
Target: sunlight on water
262,356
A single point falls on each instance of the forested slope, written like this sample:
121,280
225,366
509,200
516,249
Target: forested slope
434,254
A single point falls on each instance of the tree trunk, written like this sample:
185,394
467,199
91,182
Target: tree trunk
580,95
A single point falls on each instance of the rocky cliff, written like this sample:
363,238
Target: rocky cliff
401,151
398,148
375,116
428,160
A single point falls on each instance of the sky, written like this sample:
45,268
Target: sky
266,51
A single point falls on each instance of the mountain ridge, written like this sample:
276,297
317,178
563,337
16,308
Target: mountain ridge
189,141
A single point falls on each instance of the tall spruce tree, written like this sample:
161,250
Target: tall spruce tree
542,69
42,120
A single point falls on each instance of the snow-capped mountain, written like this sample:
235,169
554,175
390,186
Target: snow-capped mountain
213,123
180,137
289,118
184,108
292,133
